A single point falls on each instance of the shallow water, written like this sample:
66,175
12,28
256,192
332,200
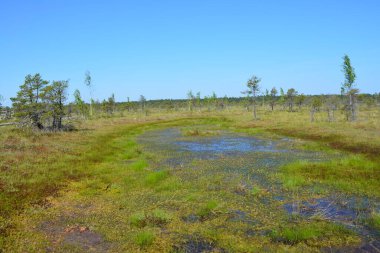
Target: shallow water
254,160
183,149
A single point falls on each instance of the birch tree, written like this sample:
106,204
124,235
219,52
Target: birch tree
80,104
190,100
88,83
348,88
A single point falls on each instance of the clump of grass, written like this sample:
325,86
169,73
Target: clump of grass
159,217
374,221
296,235
138,220
139,165
155,177
256,191
156,218
207,209
144,239
294,182
304,232
198,132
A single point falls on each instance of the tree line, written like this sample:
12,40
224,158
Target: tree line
42,104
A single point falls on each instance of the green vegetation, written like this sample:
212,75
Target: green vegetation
304,232
145,238
207,209
256,190
154,178
374,221
253,89
157,217
354,174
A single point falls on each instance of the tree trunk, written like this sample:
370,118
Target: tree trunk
254,104
352,107
312,111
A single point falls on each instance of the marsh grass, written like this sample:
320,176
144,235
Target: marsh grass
138,220
144,238
139,164
199,132
207,209
374,221
256,191
303,232
157,217
353,174
154,178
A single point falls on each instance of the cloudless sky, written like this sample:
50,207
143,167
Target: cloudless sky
162,49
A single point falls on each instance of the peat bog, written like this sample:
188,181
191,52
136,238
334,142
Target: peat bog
201,185
243,172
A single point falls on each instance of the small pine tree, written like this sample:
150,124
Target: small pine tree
253,89
27,104
291,94
54,97
273,94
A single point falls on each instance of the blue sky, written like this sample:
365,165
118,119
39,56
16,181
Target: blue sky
162,49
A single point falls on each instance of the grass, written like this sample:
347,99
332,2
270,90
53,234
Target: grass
256,190
101,178
304,232
207,209
139,165
199,132
155,177
160,217
157,217
354,174
293,181
374,221
144,239
138,220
